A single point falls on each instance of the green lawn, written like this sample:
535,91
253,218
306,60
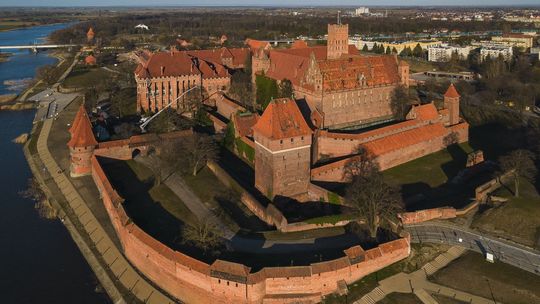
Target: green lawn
224,201
85,77
518,217
156,209
423,182
507,284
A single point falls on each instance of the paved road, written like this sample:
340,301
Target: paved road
504,251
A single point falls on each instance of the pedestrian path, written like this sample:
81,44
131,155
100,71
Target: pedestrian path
99,239
418,284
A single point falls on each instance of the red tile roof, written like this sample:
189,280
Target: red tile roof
340,74
230,268
405,139
346,73
282,119
426,112
81,131
451,92
90,60
244,122
255,45
177,63
299,44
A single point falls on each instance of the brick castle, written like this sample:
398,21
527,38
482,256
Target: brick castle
221,282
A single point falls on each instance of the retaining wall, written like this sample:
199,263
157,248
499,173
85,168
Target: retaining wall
193,281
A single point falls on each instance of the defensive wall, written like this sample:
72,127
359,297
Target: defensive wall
336,144
270,214
481,193
194,281
125,149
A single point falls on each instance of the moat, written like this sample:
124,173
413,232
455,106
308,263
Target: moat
40,262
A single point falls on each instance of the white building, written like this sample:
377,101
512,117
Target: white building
536,52
495,50
443,52
362,11
359,43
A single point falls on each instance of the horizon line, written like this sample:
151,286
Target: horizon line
274,6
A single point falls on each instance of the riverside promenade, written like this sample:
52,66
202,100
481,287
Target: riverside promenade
122,282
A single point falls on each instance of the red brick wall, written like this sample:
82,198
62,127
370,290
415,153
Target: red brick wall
226,107
190,280
426,215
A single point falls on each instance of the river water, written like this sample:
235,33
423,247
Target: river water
39,262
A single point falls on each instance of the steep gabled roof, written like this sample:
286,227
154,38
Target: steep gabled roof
452,92
351,72
81,131
425,112
282,119
255,45
299,44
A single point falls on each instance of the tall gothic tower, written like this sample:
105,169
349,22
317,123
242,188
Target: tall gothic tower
338,40
451,102
282,150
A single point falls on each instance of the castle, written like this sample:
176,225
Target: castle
221,282
341,87
289,154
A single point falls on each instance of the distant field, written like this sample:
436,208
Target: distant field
6,25
83,78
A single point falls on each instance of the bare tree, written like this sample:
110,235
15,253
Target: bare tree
370,196
46,73
400,102
198,150
521,165
205,235
165,161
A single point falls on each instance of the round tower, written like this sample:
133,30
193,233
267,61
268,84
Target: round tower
82,144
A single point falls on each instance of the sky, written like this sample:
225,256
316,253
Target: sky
264,2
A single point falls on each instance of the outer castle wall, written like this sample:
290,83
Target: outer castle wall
193,281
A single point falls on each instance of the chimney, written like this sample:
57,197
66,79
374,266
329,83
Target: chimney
162,68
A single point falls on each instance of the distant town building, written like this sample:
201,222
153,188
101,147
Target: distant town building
444,52
90,60
362,11
90,35
142,27
495,51
360,44
515,40
401,45
536,52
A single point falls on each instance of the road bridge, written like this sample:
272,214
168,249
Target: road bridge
36,46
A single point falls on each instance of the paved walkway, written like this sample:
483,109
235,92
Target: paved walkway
115,261
418,284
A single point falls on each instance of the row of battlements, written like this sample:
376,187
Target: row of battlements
166,260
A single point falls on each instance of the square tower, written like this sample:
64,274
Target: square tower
338,41
282,150
451,102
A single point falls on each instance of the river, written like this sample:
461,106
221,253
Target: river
39,262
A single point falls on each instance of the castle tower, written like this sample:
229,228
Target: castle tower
82,144
338,40
90,35
282,150
451,102
403,71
